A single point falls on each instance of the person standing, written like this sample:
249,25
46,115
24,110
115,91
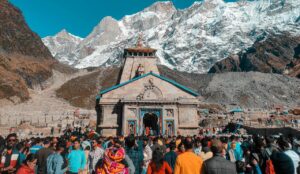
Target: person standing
29,165
55,162
135,153
205,152
23,152
157,143
52,131
198,147
287,150
96,154
10,156
114,161
76,159
232,152
36,146
158,165
282,163
180,149
42,156
147,154
171,156
188,162
87,150
218,164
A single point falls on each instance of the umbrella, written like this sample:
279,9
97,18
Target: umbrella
236,110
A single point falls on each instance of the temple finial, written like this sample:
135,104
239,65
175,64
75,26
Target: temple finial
140,41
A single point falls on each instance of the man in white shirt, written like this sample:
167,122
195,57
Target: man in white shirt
96,154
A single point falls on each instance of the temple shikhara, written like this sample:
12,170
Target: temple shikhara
144,102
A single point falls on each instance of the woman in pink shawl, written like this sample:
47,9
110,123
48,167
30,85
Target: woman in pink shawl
114,160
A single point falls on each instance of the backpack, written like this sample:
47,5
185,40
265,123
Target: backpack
269,164
269,167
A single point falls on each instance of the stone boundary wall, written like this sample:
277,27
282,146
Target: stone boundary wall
271,131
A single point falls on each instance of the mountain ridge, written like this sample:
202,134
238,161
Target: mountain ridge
191,39
25,62
274,54
244,89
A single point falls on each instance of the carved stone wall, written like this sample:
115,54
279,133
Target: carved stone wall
160,89
150,92
132,64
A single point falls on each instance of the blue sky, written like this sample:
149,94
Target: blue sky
47,17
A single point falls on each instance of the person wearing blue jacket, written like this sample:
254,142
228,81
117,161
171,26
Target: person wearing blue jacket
55,162
76,159
237,150
37,146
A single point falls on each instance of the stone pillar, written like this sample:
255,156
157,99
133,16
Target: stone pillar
124,121
99,112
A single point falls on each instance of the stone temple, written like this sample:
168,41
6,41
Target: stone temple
144,102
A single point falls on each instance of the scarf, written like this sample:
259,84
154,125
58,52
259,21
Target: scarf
112,162
14,156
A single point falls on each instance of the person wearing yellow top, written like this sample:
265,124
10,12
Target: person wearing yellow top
188,162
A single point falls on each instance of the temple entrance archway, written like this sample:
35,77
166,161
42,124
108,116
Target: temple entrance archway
151,126
150,121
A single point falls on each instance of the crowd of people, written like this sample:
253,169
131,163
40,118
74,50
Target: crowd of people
78,152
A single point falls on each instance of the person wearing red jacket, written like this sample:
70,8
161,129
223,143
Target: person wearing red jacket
29,165
158,165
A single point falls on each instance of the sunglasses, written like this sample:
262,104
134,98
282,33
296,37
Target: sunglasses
12,140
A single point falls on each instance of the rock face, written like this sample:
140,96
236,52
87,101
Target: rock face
192,39
84,95
273,54
247,89
16,36
24,59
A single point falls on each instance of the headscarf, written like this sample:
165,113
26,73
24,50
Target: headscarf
85,144
112,162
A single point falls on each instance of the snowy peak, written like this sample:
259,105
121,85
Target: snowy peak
64,34
106,24
165,8
105,32
214,2
62,46
191,39
150,17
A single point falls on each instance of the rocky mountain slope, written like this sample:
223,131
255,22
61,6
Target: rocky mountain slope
192,39
25,62
274,54
16,36
250,90
247,89
87,87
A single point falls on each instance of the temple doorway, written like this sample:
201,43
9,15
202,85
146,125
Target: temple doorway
151,125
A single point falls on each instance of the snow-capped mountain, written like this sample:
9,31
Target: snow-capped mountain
62,46
192,39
